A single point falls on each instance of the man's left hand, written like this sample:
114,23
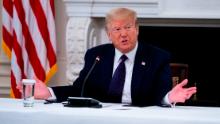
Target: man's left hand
181,94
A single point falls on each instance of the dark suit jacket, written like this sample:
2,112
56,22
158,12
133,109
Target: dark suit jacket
150,81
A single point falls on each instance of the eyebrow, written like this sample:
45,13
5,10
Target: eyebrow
124,25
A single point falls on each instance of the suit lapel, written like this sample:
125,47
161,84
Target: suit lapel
141,65
107,67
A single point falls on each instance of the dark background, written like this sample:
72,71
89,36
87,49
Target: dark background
196,46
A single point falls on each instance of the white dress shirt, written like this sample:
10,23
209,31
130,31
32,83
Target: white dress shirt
129,64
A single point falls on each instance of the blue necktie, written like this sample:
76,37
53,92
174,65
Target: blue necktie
117,82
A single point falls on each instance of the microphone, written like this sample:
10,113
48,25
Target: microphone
97,59
84,101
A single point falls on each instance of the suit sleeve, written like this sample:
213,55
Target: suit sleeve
163,80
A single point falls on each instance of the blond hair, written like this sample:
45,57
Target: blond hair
120,13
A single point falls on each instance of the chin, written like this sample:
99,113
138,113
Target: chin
125,50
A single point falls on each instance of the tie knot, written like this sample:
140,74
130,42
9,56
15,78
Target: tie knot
123,58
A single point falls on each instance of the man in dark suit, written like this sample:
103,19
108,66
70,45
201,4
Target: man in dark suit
150,80
147,79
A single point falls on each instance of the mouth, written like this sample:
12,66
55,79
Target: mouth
124,41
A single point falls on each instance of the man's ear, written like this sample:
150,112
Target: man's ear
137,29
108,34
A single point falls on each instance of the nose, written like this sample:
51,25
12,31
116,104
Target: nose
123,32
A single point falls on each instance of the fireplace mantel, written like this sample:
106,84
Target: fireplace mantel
147,8
98,8
85,26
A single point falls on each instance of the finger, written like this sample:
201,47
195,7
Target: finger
191,89
19,86
189,94
36,79
185,97
183,83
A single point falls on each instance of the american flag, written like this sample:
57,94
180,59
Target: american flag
29,40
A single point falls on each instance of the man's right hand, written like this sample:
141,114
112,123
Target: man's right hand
41,91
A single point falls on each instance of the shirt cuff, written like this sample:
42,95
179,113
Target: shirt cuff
166,101
53,97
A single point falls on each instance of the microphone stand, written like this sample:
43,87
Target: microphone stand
84,101
97,59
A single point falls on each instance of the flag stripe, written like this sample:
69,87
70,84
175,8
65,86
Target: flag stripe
15,68
7,13
31,49
18,54
7,38
8,6
42,23
52,8
15,92
7,21
19,60
35,34
50,21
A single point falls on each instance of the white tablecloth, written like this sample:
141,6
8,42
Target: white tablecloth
13,112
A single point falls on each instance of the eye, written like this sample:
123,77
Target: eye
116,29
127,27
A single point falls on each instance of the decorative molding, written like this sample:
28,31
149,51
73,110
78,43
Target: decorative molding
191,9
144,8
80,35
208,9
75,46
98,8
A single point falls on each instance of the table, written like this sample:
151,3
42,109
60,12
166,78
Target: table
13,112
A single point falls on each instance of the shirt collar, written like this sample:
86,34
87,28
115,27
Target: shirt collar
130,55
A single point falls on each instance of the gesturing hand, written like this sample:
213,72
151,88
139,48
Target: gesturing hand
41,90
181,94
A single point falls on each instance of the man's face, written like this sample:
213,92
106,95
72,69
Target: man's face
123,33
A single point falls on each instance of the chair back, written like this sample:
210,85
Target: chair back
179,72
